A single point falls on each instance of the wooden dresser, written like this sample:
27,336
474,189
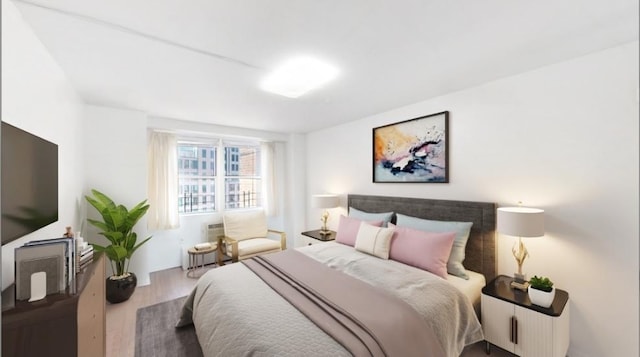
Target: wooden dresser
60,324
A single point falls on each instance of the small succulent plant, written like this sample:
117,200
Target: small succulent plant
541,283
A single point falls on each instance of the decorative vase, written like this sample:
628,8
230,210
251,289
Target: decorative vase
541,298
120,289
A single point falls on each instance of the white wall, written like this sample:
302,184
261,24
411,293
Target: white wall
296,197
116,165
563,138
37,97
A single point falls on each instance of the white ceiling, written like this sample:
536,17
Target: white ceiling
203,60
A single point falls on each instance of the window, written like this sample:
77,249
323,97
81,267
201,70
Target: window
242,180
199,188
190,177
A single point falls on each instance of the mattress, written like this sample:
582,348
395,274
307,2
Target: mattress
471,288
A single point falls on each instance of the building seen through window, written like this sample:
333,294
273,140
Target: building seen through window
198,185
242,176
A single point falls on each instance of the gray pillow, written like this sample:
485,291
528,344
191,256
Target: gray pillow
462,229
385,217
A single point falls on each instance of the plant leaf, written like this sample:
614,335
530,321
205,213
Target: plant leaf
136,213
100,225
131,241
138,246
106,201
98,248
114,237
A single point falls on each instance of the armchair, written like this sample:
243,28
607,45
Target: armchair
246,235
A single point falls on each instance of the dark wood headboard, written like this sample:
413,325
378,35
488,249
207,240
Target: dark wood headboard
480,255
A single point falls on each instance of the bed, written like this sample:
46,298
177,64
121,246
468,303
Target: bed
236,313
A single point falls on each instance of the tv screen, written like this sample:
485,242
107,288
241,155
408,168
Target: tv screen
29,183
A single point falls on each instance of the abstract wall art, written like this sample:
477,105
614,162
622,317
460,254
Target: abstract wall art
413,150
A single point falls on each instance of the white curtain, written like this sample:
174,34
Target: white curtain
268,179
163,181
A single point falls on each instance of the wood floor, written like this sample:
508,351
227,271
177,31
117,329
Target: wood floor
173,283
121,318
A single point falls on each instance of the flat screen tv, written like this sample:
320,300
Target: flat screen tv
29,182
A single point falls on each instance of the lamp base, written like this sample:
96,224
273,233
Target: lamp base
324,232
520,282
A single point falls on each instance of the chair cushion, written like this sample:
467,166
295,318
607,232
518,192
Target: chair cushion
257,245
241,225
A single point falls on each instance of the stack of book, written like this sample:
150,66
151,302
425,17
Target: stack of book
84,254
56,257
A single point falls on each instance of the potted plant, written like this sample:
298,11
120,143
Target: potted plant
541,291
117,226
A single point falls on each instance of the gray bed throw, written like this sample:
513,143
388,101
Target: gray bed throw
367,321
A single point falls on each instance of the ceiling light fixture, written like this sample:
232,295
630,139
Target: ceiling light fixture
298,76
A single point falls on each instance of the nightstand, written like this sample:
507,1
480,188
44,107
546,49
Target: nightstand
512,322
317,237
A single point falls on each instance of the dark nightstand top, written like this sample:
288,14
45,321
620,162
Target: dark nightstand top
500,288
322,237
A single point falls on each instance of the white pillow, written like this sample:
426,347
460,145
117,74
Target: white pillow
241,225
374,240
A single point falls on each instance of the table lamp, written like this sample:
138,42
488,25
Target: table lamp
520,222
324,201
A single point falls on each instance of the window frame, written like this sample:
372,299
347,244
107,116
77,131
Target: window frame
220,173
235,164
190,182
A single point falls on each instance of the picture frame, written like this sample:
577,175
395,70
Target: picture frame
414,150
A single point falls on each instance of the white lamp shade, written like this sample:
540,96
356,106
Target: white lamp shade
324,201
521,221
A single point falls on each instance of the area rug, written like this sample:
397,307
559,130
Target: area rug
156,335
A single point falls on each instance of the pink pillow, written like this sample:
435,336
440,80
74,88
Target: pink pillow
348,230
425,250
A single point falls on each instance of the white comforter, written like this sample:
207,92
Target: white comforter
236,314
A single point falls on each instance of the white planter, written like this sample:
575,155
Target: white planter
541,298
